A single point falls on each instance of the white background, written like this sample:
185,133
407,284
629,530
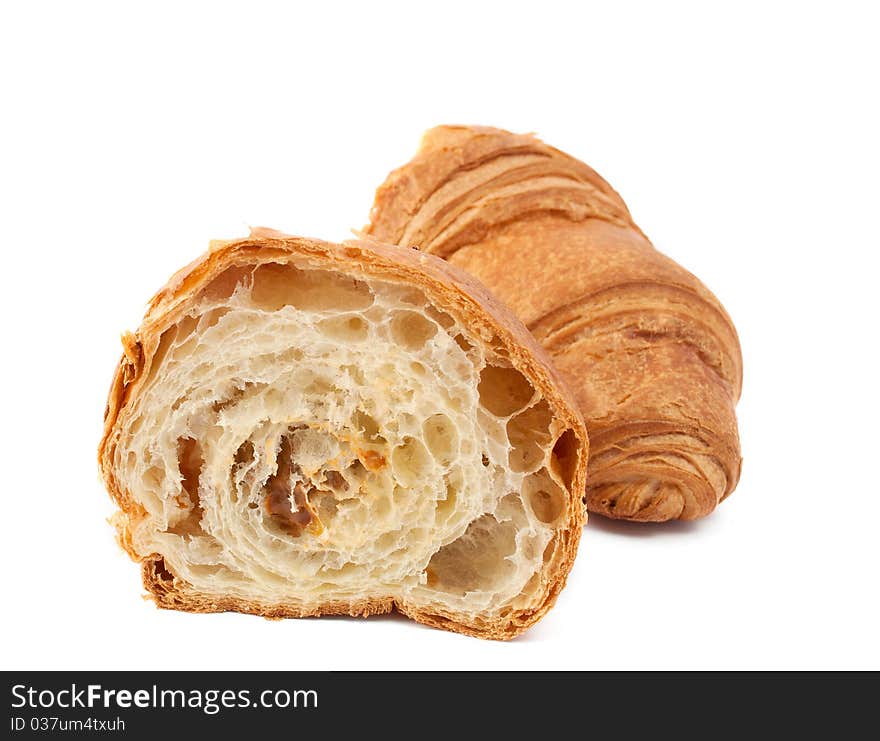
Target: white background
744,142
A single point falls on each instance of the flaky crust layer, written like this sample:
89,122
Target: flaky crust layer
650,354
448,287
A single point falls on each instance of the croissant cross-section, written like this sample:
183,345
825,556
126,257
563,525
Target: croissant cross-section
301,428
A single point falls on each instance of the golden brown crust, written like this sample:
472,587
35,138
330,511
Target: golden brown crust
650,354
451,288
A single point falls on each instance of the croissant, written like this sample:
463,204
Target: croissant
649,352
301,428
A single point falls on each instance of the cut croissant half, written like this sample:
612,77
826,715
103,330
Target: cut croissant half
650,354
301,428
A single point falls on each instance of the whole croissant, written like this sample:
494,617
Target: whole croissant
651,355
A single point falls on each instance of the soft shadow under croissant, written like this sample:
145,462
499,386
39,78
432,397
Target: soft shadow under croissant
650,353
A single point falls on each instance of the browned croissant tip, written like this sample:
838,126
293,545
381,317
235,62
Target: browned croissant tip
650,353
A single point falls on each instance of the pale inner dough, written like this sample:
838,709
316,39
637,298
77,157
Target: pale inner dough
305,437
